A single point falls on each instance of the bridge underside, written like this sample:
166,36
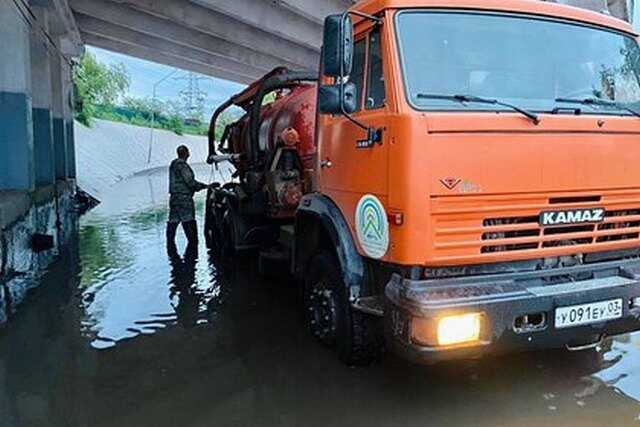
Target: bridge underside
237,40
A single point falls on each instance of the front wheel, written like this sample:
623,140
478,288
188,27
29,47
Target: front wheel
330,317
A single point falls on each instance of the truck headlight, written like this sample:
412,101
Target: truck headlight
446,331
459,329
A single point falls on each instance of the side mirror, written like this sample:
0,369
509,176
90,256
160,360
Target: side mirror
330,102
337,49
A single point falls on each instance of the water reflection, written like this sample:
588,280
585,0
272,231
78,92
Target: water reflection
621,367
191,301
127,331
125,277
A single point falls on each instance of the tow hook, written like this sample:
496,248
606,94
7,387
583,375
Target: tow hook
590,346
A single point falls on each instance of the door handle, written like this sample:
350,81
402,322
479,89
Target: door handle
326,163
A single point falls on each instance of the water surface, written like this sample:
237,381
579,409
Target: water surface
122,334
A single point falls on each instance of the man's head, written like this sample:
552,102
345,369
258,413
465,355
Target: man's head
183,152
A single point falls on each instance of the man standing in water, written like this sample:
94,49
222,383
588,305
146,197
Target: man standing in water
182,187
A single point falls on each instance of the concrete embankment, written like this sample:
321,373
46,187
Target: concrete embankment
108,152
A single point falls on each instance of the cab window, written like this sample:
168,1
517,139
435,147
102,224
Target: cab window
357,73
375,83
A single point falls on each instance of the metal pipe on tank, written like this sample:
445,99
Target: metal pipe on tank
212,128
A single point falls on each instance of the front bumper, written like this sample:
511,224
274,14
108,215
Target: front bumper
504,298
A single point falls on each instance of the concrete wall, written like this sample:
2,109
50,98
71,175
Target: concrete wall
16,126
36,99
37,158
41,102
50,210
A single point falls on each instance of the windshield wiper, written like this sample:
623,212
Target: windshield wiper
471,98
599,102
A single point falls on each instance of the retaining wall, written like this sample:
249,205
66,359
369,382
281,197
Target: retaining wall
49,210
108,152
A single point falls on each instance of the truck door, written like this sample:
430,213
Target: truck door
352,169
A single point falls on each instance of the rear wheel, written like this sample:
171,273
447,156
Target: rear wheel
331,318
227,238
209,226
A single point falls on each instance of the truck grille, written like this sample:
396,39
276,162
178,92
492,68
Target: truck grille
485,226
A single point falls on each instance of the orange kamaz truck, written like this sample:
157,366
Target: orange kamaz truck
461,177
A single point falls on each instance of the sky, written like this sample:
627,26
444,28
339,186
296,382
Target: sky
145,74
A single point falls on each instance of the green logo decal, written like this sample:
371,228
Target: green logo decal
372,227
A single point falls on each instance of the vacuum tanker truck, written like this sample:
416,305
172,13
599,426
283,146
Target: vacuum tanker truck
459,178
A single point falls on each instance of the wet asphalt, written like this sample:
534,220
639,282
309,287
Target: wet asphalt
120,333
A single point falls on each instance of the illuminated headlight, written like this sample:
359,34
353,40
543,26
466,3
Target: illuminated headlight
446,331
459,329
635,302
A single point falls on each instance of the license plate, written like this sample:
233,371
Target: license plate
586,314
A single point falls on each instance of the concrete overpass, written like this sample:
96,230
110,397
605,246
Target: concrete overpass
237,40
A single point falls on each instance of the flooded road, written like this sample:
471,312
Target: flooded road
122,334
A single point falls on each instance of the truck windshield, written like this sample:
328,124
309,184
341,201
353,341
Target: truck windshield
526,61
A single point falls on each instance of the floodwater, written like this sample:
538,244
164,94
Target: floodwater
120,334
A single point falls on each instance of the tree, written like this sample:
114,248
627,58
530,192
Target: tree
176,124
175,113
97,84
145,107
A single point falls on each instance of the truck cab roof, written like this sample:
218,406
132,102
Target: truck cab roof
531,7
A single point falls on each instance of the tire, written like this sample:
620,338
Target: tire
209,227
227,238
212,228
330,317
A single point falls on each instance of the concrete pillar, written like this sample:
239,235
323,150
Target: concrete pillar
68,110
71,150
16,125
57,111
41,89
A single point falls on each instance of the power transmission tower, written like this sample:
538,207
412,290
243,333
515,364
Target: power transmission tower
193,98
